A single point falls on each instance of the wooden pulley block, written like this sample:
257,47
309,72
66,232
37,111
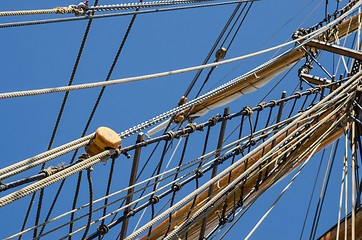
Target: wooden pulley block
220,53
104,139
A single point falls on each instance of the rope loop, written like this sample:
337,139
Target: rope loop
170,134
192,126
103,229
199,173
261,106
238,150
176,187
117,153
154,199
48,171
130,213
310,91
213,121
273,103
248,111
298,94
317,89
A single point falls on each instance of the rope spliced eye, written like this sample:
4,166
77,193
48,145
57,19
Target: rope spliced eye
104,139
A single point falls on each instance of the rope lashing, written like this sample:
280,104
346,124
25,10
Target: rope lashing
273,103
261,106
79,10
298,94
248,111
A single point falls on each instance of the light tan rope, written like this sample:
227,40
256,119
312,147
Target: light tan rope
58,10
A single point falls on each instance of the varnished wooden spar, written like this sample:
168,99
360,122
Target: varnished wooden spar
213,219
331,234
263,76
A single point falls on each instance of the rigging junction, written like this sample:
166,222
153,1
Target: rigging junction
273,151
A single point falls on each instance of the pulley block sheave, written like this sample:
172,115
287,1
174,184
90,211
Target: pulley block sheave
104,139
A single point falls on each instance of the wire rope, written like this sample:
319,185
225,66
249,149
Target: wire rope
70,19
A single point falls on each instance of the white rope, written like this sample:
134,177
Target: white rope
173,72
230,188
87,163
342,186
342,89
133,79
64,148
281,194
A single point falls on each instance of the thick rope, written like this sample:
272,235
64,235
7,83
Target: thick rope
340,90
54,178
58,10
60,150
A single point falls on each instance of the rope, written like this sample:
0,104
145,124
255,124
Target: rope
90,203
282,193
58,10
140,5
41,161
220,194
69,19
340,90
133,79
83,9
312,194
212,50
54,178
258,108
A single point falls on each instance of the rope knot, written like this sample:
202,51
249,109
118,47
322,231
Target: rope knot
298,94
248,111
317,89
273,103
103,229
261,106
213,121
171,135
310,90
238,150
192,126
199,173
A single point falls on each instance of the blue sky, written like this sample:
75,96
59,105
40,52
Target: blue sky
43,56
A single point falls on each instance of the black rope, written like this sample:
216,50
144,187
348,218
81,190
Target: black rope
90,203
75,67
27,215
197,180
212,49
320,203
241,23
232,40
176,176
312,194
75,199
165,148
108,188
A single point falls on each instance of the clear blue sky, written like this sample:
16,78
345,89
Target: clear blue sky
43,56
